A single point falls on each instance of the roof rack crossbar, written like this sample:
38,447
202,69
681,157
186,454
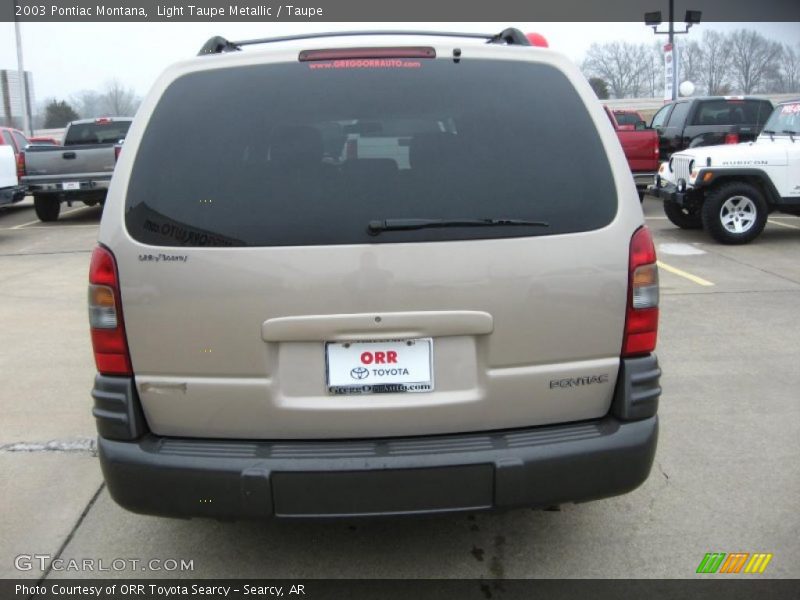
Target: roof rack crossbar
510,36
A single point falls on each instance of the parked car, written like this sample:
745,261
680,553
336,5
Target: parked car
80,170
13,138
641,149
10,189
730,190
707,121
44,140
278,335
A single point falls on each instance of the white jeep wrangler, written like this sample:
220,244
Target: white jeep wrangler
729,190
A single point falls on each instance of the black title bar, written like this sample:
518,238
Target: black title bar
385,11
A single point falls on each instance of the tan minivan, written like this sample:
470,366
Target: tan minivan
372,274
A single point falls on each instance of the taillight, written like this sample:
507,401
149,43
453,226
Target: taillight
20,165
105,316
641,319
732,138
537,39
117,150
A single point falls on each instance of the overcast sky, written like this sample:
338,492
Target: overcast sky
66,58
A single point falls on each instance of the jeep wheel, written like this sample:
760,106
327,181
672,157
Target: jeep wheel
682,217
47,209
735,213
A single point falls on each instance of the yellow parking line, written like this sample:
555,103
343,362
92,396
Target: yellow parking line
784,224
684,274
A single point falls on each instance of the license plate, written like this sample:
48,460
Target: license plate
379,367
71,185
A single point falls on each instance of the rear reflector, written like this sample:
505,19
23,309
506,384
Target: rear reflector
347,53
109,342
641,321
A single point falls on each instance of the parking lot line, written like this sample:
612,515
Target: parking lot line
68,212
684,274
783,224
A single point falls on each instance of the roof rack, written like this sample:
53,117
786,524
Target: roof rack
510,37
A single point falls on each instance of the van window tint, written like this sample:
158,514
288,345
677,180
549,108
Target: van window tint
310,153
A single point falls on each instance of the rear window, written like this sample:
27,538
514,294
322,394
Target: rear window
109,132
308,154
626,118
732,112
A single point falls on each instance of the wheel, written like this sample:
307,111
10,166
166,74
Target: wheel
735,213
683,217
47,209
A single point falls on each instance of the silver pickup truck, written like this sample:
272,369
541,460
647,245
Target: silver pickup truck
80,170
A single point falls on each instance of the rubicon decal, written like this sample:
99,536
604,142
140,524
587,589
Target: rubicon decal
734,563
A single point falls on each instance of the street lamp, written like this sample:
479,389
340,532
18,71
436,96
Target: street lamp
653,19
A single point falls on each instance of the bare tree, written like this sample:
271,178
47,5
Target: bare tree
118,100
715,63
690,64
88,103
655,71
789,74
622,65
754,59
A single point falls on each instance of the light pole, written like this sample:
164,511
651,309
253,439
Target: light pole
23,83
653,19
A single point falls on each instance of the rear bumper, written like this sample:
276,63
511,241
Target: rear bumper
531,467
88,185
534,467
11,194
644,179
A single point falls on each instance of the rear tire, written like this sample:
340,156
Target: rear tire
682,217
47,209
735,213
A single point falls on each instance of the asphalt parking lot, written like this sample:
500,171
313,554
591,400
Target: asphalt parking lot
725,478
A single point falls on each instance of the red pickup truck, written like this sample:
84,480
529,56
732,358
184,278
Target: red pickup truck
640,145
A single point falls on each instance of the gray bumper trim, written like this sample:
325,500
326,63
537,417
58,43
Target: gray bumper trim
539,466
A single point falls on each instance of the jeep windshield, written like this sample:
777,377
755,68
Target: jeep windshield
294,154
785,119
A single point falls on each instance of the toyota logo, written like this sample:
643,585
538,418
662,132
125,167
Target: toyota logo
359,373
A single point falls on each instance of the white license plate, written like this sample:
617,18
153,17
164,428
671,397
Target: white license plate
380,367
71,185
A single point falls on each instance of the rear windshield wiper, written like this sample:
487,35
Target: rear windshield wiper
376,227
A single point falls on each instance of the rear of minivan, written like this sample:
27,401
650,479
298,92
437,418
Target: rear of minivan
375,276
